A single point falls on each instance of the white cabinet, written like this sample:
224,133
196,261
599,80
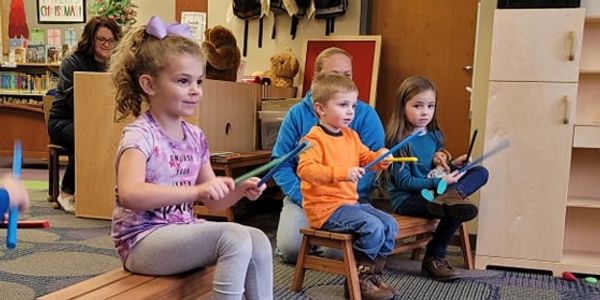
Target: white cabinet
536,45
541,206
522,208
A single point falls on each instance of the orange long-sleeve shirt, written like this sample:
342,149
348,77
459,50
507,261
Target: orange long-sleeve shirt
323,171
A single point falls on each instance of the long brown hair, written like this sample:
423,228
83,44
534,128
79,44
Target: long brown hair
86,44
141,53
398,126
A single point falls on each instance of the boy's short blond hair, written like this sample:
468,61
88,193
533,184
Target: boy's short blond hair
325,85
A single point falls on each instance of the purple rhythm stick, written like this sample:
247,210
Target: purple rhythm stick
394,149
501,146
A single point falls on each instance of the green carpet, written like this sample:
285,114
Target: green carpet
36,185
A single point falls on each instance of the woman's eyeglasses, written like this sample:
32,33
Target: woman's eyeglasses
104,41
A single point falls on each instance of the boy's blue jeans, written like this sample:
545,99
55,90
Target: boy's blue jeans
414,206
374,230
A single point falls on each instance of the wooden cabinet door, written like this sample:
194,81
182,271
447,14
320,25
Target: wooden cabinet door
227,115
522,207
536,44
97,136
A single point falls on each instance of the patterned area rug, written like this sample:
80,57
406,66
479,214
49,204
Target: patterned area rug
75,249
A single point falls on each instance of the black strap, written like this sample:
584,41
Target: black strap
260,32
274,30
245,51
332,24
329,25
294,27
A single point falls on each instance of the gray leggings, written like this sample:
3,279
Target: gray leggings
242,255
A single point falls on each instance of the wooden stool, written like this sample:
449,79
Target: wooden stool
420,228
347,267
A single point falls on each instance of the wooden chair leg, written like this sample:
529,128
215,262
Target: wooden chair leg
466,246
229,215
300,270
416,253
351,272
55,176
50,177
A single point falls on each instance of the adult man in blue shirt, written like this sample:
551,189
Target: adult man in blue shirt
295,125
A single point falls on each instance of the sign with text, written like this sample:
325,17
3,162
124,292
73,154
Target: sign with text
61,11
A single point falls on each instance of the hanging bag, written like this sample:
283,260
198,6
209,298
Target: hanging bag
329,10
277,7
297,9
248,10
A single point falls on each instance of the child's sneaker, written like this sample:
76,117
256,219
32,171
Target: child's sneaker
67,203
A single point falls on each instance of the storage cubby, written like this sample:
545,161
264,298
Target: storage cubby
584,190
581,240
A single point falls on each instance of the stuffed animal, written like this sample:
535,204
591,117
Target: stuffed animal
284,67
222,54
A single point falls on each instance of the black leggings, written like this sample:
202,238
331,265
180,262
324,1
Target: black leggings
62,133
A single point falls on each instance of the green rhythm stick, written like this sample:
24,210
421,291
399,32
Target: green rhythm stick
274,164
259,170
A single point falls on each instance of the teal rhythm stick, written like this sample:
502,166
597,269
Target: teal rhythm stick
13,213
259,170
299,149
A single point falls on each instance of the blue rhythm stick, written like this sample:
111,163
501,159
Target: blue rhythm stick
394,149
501,146
13,213
300,148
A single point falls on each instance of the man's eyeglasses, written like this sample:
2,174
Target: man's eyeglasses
104,41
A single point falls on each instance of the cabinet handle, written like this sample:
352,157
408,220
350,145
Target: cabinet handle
567,109
571,46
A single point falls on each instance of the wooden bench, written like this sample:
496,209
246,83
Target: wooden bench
121,284
419,228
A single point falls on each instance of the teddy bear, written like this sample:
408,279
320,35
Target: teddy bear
284,67
222,54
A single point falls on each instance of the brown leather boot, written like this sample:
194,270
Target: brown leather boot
439,269
378,272
453,205
369,290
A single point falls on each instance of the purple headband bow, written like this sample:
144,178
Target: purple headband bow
158,29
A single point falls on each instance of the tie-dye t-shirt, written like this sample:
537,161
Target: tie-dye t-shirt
168,162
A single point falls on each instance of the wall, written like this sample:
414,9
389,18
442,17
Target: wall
165,9
258,58
592,7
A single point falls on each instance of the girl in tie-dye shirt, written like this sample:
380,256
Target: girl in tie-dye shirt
163,167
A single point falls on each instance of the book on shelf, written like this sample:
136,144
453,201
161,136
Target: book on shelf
27,83
37,53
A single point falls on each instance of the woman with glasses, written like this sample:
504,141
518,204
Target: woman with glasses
91,55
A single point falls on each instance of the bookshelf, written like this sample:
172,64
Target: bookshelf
22,87
26,83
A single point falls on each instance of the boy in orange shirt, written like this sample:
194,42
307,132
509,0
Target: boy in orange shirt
329,171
